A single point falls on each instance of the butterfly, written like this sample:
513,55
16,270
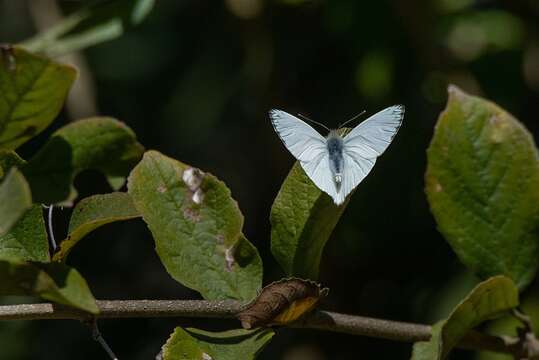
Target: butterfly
337,164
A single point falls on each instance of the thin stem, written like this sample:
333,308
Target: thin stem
321,320
51,229
96,334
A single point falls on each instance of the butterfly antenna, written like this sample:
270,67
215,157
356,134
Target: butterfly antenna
352,119
314,122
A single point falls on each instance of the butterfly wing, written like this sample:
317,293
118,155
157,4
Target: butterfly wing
364,144
308,146
304,142
355,170
372,137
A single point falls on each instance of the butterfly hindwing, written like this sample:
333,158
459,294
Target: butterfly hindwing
356,169
320,174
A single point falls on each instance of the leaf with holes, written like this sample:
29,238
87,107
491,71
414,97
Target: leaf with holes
302,219
197,228
54,282
486,301
99,22
482,183
93,212
100,143
205,345
32,92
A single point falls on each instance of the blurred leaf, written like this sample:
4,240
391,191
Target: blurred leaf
93,212
197,228
374,75
488,300
99,143
33,89
281,303
99,22
9,159
530,307
302,219
447,295
476,32
193,344
54,282
15,199
27,240
482,184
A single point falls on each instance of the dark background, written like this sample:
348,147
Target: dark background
195,81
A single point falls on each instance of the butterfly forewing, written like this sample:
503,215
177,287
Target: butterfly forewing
304,142
308,146
372,137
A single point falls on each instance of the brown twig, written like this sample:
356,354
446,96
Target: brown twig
321,320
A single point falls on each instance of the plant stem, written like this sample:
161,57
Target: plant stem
96,334
319,319
50,226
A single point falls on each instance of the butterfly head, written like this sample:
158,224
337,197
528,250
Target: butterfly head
334,134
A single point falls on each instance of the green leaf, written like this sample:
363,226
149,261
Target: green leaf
99,22
197,228
100,143
482,183
32,92
27,240
191,344
486,301
429,350
508,325
93,212
9,159
116,182
302,219
54,282
15,200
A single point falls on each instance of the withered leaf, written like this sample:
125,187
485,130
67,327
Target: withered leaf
281,303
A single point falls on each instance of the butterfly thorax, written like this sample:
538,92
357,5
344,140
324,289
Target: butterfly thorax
335,146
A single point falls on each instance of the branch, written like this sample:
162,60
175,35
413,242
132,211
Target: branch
321,320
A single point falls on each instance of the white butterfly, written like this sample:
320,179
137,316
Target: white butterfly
338,164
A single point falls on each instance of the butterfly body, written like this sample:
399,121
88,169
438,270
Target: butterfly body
337,164
335,145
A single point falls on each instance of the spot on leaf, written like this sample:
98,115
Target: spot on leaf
198,197
229,258
498,129
193,177
191,214
8,56
281,303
